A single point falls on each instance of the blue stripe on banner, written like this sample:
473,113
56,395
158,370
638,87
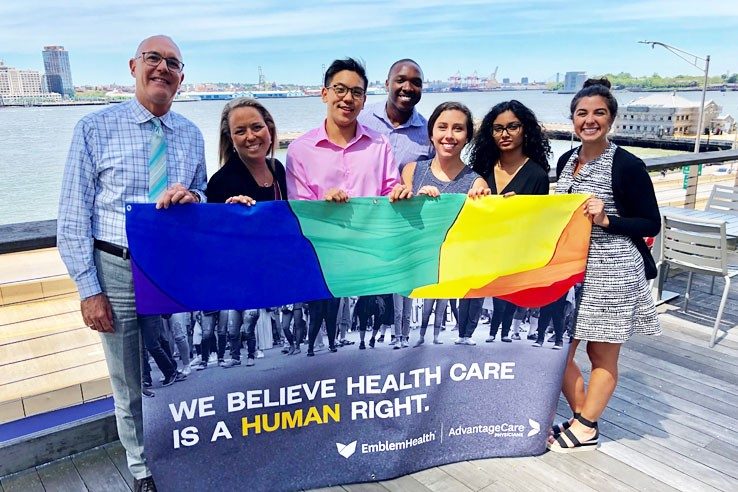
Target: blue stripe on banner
37,423
200,260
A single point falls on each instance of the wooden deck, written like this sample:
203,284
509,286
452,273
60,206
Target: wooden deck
672,425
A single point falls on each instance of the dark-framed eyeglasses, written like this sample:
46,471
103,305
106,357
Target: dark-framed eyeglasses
153,59
510,128
341,90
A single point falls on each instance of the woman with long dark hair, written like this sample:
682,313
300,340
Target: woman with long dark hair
615,299
511,152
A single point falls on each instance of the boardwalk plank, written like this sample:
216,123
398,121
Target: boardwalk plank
652,467
25,481
98,472
718,401
712,362
689,338
405,483
118,457
365,487
676,325
695,452
709,355
629,475
469,473
582,472
661,462
428,476
657,365
61,475
675,357
696,473
644,402
687,413
507,473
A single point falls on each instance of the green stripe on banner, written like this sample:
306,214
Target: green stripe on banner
399,242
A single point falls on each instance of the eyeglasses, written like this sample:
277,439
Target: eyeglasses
341,90
153,59
510,128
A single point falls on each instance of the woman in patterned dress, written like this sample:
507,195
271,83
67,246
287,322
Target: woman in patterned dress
616,300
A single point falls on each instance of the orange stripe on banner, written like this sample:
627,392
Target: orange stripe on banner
567,263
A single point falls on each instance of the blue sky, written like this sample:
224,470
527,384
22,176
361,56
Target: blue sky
227,40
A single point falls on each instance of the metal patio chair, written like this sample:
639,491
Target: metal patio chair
723,199
697,247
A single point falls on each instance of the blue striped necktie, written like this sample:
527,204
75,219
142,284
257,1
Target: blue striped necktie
157,161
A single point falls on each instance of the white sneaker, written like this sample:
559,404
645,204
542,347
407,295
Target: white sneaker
187,370
460,341
404,343
259,354
196,361
469,341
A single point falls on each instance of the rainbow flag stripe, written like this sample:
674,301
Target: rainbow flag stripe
526,249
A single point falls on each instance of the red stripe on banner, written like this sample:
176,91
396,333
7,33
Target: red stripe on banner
540,296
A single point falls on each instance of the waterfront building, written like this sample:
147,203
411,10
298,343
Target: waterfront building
58,71
524,80
665,115
22,87
724,123
573,81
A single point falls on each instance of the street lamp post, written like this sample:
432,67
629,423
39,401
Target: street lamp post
695,61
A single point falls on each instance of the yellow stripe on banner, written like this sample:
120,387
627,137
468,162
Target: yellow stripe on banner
518,234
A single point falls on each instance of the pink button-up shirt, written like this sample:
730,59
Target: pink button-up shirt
365,167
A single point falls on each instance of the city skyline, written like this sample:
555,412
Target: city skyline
291,42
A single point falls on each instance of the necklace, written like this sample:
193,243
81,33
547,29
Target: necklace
267,179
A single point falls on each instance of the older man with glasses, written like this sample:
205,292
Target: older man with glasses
339,160
137,151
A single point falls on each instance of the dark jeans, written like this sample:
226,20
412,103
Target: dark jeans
248,327
325,310
502,313
469,311
555,312
234,320
151,334
455,309
208,324
287,317
440,309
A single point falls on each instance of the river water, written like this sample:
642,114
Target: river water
34,141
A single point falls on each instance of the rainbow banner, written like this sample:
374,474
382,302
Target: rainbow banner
526,249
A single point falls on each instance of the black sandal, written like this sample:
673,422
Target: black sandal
559,428
562,446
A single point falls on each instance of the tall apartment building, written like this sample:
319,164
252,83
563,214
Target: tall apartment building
58,71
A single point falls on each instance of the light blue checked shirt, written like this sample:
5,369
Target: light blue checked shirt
409,141
107,166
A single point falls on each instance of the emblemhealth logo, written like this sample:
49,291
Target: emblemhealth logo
535,427
346,450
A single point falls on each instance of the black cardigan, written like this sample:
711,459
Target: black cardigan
634,196
635,199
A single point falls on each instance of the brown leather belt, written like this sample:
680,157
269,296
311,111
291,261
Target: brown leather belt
113,249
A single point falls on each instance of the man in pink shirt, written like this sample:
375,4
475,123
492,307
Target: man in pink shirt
339,160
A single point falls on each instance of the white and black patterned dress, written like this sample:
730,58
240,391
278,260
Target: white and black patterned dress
616,300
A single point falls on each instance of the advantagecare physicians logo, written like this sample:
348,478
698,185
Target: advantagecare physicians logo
505,429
